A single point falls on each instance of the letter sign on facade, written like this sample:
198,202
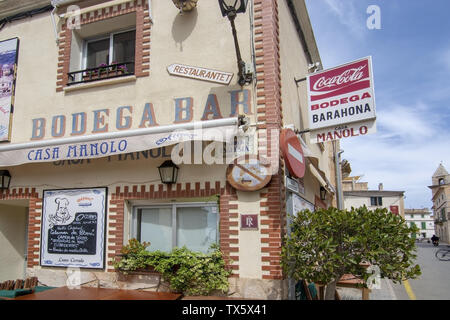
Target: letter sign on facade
249,222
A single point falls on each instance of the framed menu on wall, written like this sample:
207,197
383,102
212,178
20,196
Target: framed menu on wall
73,228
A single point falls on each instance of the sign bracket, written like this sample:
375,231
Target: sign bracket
299,80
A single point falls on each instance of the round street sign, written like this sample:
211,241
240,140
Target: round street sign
292,152
249,173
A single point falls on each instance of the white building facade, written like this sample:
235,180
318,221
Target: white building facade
357,194
422,219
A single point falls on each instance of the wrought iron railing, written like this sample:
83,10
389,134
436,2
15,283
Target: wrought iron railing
101,72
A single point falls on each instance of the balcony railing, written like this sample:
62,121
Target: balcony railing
101,72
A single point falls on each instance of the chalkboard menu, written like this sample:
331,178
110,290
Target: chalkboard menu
73,223
78,237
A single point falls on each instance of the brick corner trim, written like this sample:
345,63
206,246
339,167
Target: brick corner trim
269,117
143,26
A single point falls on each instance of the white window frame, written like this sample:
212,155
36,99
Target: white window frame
103,37
174,206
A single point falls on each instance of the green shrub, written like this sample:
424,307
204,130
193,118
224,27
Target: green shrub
188,272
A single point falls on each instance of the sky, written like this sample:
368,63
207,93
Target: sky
411,65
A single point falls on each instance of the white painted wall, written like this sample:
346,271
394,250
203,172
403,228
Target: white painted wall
359,201
12,241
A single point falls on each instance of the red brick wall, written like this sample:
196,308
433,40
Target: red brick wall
143,26
269,117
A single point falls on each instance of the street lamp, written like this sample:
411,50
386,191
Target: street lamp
230,8
168,171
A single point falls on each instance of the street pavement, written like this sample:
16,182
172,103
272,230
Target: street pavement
432,284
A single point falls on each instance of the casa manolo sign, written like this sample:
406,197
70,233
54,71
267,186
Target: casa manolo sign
341,102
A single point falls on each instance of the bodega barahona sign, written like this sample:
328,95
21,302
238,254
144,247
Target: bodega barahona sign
341,102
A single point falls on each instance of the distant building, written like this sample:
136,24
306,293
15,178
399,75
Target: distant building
440,190
357,194
422,219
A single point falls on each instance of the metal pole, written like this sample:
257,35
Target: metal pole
337,161
240,63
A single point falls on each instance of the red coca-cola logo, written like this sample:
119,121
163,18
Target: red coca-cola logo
342,80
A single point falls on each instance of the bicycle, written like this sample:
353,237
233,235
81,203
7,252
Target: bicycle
443,254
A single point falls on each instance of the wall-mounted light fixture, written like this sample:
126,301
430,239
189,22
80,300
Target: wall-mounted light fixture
230,8
323,193
168,171
5,179
185,5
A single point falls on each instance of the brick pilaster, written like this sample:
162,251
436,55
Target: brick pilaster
269,121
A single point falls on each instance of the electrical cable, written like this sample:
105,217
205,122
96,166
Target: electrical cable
23,15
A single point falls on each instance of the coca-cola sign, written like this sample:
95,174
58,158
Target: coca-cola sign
341,95
340,80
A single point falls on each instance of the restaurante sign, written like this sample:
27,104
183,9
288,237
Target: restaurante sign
198,73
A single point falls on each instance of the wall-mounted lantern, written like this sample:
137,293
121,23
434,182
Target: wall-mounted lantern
168,171
5,179
230,8
323,193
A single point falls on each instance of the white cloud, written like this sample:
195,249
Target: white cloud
349,16
403,154
413,123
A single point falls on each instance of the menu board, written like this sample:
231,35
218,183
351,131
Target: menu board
300,204
73,228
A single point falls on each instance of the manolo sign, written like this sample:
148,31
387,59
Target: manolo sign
341,101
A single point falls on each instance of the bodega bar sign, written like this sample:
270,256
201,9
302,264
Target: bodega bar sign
341,95
199,73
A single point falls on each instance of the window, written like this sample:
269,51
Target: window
424,225
97,26
441,181
412,216
376,201
111,49
412,224
167,226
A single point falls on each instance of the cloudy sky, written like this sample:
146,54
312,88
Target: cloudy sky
411,64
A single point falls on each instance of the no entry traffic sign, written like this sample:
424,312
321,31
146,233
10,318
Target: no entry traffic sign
292,153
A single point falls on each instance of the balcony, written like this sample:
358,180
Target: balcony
101,72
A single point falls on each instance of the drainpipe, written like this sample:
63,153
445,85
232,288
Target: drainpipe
54,23
150,11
